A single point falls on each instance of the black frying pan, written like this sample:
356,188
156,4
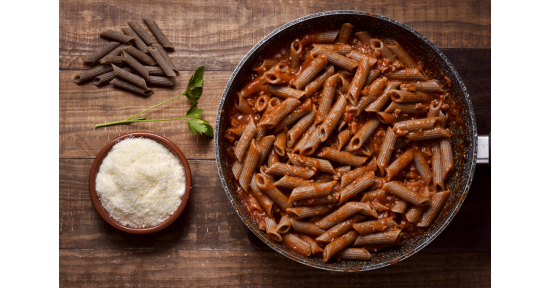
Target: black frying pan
464,142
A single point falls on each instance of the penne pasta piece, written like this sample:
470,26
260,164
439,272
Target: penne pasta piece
407,74
344,33
285,169
250,165
306,228
296,49
364,37
318,82
447,157
321,165
279,112
400,191
422,166
280,144
273,158
261,102
312,191
374,195
434,133
400,163
373,226
378,104
400,53
386,150
338,48
270,228
326,98
137,40
107,77
336,58
130,87
409,108
292,182
298,113
351,175
339,244
313,141
112,60
372,76
403,96
262,171
304,139
414,214
443,119
363,134
135,65
438,170
338,216
415,124
439,199
284,225
132,78
162,62
160,81
265,202
300,127
342,138
428,86
245,140
399,206
379,46
286,92
264,65
330,199
92,73
360,184
333,118
386,118
323,37
165,56
358,254
339,229
140,55
434,109
266,186
308,211
116,36
297,245
388,237
345,84
256,86
353,54
158,34
155,70
315,248
106,49
366,209
310,72
265,146
139,30
114,52
358,81
342,157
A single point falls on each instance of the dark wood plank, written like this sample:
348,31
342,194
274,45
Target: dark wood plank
83,106
219,33
203,268
210,223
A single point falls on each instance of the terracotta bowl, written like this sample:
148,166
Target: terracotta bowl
103,212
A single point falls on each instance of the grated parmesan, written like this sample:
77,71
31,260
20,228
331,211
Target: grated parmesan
140,182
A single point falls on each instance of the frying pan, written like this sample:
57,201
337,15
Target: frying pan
464,140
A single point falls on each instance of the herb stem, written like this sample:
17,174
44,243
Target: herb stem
136,120
155,106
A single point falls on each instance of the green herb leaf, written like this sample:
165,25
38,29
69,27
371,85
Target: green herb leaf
194,112
196,80
198,125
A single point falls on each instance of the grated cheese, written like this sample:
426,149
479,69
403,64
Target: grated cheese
140,182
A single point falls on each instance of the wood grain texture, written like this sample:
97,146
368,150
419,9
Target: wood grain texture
199,268
83,106
218,33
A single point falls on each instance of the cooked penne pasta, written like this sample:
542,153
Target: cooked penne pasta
342,138
400,53
310,72
358,56
414,214
321,165
332,198
439,199
358,254
304,139
386,118
408,108
326,98
360,184
250,165
300,127
263,65
378,104
296,49
279,112
344,33
428,86
374,195
285,169
245,140
434,109
351,175
388,237
286,92
399,206
312,191
332,118
399,190
386,150
339,229
344,212
407,74
315,248
308,211
280,144
265,202
307,228
336,58
403,96
270,228
363,134
265,146
378,46
324,37
338,48
359,80
434,133
295,244
339,244
400,163
447,157
318,82
265,184
422,166
342,157
313,141
284,225
292,182
297,114
416,124
438,169
345,84
373,226
364,37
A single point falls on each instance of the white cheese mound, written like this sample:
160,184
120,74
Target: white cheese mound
140,182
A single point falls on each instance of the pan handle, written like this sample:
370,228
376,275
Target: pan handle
483,156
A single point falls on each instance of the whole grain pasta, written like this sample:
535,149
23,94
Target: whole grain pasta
158,34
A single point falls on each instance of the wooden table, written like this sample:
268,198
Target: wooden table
208,245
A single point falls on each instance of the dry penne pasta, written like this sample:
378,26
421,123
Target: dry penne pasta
116,36
131,87
106,49
140,55
137,40
158,34
139,30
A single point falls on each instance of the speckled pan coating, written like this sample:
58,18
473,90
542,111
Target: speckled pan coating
465,146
